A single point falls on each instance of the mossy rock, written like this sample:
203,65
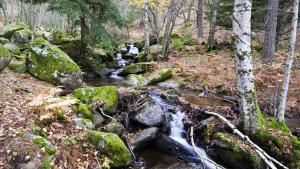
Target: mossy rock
13,49
8,30
160,76
114,127
21,38
47,62
5,57
136,80
138,68
18,66
235,153
108,94
4,41
112,147
85,110
43,143
274,138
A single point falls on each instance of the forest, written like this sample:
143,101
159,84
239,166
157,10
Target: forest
149,84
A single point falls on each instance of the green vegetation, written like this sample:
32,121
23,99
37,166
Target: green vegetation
108,94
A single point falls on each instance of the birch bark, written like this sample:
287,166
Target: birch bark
289,63
244,68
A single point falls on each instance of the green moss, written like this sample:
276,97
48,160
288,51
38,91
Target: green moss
8,30
21,38
43,143
138,68
238,153
15,50
108,94
4,41
112,146
46,162
136,80
4,52
86,111
5,57
37,130
57,36
86,121
47,62
18,66
160,76
60,116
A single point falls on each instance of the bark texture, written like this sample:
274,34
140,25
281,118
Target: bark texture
270,34
200,18
213,21
146,27
289,63
244,68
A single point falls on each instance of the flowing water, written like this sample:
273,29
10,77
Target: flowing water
175,123
177,130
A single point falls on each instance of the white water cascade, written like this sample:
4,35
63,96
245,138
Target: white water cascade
177,129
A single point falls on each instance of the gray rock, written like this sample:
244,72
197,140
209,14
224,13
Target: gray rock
21,38
150,115
203,123
114,127
82,123
12,48
5,57
143,138
4,41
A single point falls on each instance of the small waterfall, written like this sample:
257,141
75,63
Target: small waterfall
133,50
121,62
177,128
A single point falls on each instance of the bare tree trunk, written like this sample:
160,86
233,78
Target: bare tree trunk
289,63
146,28
84,33
200,18
4,12
213,21
270,34
190,7
244,68
154,25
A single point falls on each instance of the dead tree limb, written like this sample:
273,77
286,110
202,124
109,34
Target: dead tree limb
268,159
198,153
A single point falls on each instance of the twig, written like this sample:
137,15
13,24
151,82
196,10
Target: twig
201,158
268,159
101,111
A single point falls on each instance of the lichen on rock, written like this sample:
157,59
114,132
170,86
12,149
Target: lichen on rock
47,62
5,57
112,146
108,94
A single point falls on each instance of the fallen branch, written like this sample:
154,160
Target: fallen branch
201,158
105,115
268,159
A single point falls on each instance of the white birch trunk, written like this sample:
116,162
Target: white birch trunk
289,63
146,27
244,68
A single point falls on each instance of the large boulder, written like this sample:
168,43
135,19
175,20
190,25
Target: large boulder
8,30
138,68
108,94
47,62
150,115
5,57
18,66
143,138
160,76
112,147
13,49
21,38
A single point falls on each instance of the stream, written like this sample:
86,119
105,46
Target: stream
155,158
